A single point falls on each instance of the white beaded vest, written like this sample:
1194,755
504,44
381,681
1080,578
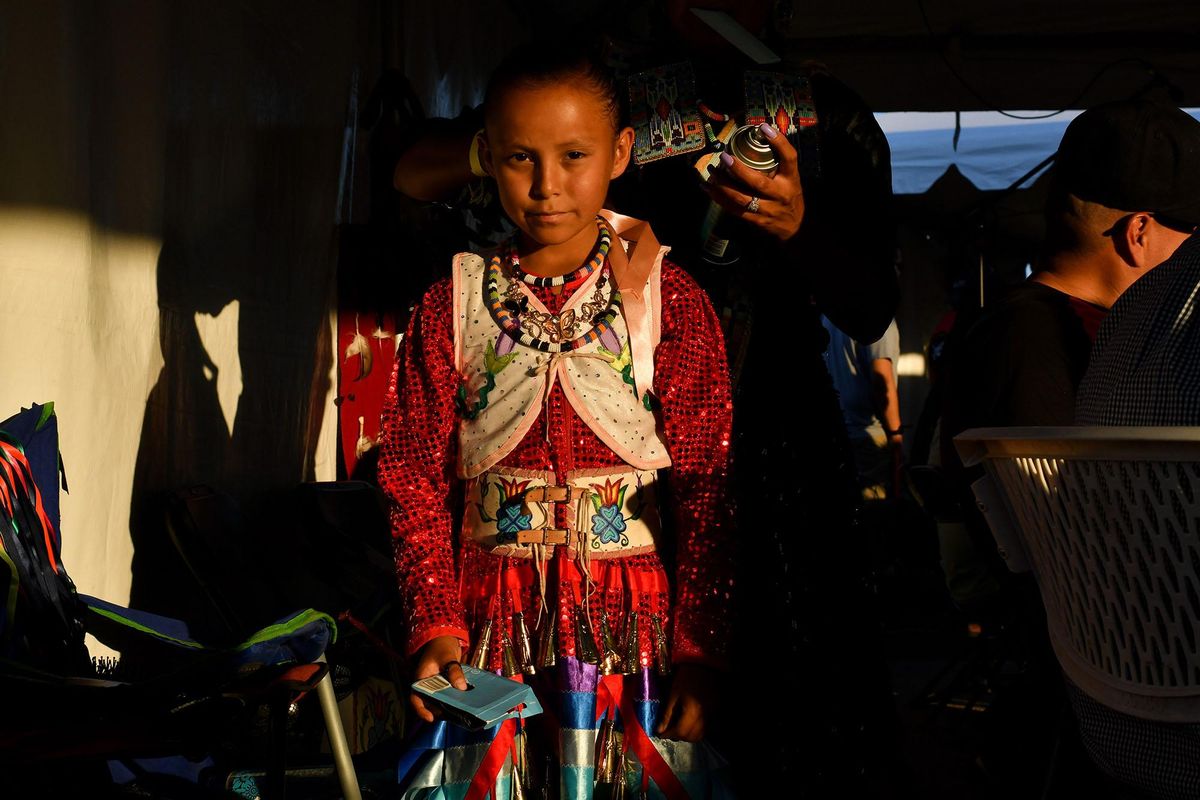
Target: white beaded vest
505,384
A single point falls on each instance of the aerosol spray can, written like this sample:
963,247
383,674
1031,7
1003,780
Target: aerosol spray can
749,146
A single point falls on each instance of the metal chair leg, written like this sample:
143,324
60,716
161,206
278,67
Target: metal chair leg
337,737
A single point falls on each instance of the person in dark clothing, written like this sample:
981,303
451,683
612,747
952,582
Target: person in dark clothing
821,242
1145,365
1145,370
1021,362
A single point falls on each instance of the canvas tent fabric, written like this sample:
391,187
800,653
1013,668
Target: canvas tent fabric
994,151
168,191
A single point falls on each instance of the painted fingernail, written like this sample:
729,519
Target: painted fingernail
726,161
769,130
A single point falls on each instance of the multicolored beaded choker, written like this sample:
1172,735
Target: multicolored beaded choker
507,314
599,254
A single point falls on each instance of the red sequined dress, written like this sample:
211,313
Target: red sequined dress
449,587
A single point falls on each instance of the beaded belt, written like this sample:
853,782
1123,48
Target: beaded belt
612,512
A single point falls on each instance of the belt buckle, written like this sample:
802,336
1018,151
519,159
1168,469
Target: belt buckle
550,497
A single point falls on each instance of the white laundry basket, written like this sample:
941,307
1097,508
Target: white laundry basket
1108,519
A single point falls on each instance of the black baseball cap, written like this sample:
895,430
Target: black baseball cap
1134,155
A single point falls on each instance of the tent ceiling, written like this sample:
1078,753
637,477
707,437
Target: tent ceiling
990,17
1012,54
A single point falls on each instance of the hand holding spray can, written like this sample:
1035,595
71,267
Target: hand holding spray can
749,146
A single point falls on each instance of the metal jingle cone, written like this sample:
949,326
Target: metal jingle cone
662,651
508,660
520,764
528,767
608,638
523,644
585,639
613,767
619,776
517,789
611,662
603,745
479,655
633,656
547,655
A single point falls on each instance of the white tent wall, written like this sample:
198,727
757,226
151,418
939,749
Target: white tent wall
168,186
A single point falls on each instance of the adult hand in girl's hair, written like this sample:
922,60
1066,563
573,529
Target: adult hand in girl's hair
772,203
438,656
690,703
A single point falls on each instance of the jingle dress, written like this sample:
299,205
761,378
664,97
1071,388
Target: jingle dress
490,441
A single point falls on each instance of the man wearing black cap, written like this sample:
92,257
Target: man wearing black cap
1145,370
1124,185
1145,366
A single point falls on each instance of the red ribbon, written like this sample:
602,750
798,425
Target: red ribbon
611,696
484,782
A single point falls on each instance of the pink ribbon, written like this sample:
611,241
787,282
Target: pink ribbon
632,275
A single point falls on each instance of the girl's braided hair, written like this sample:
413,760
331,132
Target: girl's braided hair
544,62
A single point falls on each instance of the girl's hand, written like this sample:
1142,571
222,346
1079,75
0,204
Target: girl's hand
691,702
780,196
438,656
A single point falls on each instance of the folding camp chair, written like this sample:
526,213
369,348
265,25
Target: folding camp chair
56,707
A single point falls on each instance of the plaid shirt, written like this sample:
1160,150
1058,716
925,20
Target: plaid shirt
1145,364
1145,370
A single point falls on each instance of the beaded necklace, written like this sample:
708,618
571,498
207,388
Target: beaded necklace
599,254
510,322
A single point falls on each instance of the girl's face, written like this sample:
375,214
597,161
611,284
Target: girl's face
553,151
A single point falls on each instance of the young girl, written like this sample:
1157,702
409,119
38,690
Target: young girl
569,393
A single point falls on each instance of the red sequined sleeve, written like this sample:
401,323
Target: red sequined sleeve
692,381
416,471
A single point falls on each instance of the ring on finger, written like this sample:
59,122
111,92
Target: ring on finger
752,206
